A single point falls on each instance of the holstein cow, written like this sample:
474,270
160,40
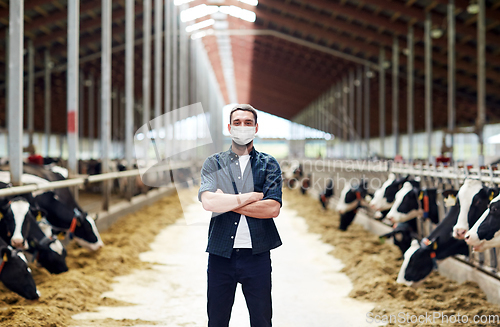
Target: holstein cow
68,216
420,258
440,244
384,197
485,234
350,200
15,274
473,198
305,184
19,227
412,202
324,197
402,235
70,220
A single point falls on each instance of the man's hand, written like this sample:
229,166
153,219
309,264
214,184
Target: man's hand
219,191
256,196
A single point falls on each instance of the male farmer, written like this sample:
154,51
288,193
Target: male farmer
242,187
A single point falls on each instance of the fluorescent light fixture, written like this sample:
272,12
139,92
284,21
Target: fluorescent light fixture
238,12
181,2
473,8
198,35
197,12
436,33
250,2
200,25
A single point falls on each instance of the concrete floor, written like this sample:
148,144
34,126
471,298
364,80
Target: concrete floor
308,289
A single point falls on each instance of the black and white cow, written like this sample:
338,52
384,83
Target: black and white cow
473,199
485,234
46,250
67,219
351,198
15,274
412,202
402,235
14,222
325,196
384,197
421,258
305,184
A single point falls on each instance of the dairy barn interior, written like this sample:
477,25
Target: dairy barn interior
384,116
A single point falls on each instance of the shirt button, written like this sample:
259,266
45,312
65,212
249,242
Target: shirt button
240,192
236,164
239,177
232,236
236,223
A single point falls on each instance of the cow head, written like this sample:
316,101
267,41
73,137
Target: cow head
485,233
50,253
14,225
473,200
16,275
351,198
418,263
385,195
406,204
86,233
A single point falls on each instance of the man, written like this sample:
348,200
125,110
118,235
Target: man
242,187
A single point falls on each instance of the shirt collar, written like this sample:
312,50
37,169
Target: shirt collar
252,153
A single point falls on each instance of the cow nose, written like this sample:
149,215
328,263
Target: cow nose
17,243
467,237
461,233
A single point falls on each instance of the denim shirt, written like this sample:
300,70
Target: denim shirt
263,174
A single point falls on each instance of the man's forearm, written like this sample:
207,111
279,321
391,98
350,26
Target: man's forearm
220,202
263,209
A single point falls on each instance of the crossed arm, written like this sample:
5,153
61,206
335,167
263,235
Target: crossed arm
248,204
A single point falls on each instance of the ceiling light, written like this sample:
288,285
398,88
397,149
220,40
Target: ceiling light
357,82
238,12
473,8
436,33
197,12
200,25
387,64
369,74
181,2
406,51
250,2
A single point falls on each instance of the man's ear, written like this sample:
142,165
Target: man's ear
229,128
256,128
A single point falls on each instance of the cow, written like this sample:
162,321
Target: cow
70,220
305,183
402,235
421,258
473,198
15,273
418,261
47,251
384,197
412,202
14,225
351,198
324,197
485,234
68,217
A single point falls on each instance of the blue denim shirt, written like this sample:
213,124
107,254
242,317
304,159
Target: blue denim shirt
263,174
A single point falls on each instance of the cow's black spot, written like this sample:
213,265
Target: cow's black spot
491,223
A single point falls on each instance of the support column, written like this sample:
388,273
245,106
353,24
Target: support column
146,64
72,85
352,132
395,94
481,78
451,73
428,83
31,90
175,76
15,82
359,107
158,56
106,96
91,106
366,88
381,100
129,90
410,92
168,73
47,99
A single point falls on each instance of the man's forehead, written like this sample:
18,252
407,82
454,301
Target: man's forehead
243,115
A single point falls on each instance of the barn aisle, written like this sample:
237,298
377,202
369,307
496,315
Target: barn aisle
308,289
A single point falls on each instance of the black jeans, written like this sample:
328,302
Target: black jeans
253,272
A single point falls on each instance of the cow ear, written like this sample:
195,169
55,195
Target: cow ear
447,193
6,254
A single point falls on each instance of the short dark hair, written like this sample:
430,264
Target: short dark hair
243,107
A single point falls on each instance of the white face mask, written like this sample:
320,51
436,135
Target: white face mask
242,135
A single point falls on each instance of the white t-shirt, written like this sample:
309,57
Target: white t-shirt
242,238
